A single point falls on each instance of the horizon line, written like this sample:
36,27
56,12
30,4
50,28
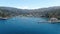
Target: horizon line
28,8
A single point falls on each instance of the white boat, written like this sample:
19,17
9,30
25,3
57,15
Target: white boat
4,18
52,20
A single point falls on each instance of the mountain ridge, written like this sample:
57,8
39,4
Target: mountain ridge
34,12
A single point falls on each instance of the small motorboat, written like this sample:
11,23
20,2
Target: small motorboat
3,18
51,20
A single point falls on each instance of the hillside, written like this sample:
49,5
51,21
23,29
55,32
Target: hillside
41,12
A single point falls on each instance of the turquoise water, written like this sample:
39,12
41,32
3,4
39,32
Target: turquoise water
28,25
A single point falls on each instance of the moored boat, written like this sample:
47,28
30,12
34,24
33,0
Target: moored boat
4,18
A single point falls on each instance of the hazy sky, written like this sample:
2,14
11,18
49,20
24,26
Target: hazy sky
29,4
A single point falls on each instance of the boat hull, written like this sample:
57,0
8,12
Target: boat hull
3,18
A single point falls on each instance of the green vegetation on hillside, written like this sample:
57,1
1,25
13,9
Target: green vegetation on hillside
42,12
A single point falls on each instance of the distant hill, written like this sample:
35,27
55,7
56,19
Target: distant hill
45,12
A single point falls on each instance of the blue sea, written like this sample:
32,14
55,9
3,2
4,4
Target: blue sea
28,25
